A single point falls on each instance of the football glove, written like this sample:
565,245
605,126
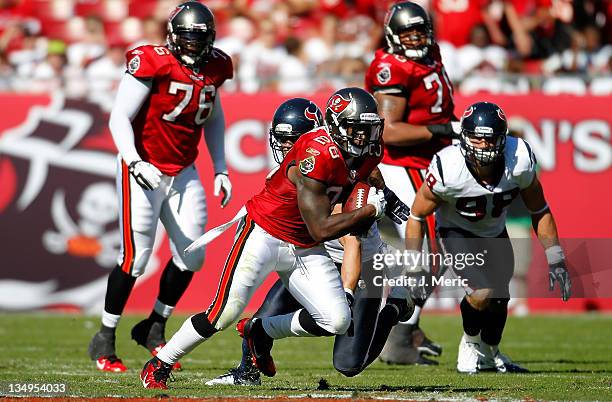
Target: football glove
377,199
447,130
396,209
558,272
147,176
223,183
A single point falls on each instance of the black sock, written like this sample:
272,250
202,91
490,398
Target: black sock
472,318
310,325
495,321
172,285
118,291
156,317
202,326
107,330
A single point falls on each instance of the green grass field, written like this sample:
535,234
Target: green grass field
570,358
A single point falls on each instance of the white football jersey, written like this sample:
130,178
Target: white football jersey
471,205
370,245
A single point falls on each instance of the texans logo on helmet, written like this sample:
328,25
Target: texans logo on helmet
57,174
468,112
338,104
310,115
501,114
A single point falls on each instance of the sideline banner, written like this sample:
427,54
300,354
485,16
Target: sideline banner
58,215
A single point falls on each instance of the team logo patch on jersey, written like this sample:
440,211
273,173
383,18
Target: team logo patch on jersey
307,165
313,151
384,75
134,64
136,51
338,104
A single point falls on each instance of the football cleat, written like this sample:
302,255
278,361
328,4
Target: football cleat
399,348
150,334
494,360
110,363
423,344
177,366
468,356
155,374
260,344
237,376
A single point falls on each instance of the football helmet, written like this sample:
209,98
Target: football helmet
406,16
483,120
292,118
191,32
351,117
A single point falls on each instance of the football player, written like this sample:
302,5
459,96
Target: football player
167,95
470,186
353,256
416,100
282,229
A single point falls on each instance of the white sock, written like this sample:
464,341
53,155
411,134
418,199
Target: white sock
110,320
181,343
488,350
414,318
283,326
163,309
472,339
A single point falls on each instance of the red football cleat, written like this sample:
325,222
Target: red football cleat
110,363
260,345
177,366
155,373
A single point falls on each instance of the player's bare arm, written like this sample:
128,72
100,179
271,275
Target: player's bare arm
546,229
315,208
351,259
397,132
425,203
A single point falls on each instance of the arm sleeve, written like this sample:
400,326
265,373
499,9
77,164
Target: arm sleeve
214,135
131,95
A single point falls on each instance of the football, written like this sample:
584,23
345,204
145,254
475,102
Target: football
357,198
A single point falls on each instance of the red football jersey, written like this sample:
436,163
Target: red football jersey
429,95
454,20
168,126
275,208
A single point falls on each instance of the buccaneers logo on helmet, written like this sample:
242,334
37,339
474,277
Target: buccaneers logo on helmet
338,104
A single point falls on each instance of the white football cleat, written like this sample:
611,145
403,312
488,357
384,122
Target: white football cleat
237,376
467,358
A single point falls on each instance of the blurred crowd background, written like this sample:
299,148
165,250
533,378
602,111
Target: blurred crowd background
301,46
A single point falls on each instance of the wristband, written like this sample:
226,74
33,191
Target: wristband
554,255
349,291
416,218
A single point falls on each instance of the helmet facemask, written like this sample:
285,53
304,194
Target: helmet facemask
487,155
419,32
191,45
282,139
357,137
